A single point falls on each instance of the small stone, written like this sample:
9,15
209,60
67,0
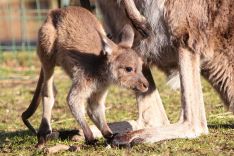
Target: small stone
77,138
56,148
108,146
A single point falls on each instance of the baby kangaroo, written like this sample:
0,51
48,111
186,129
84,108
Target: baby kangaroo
75,40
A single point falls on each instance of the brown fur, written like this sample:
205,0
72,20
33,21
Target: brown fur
188,37
74,39
215,32
209,27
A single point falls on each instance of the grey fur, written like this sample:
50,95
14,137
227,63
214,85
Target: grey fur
189,37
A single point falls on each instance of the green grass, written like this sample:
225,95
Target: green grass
18,77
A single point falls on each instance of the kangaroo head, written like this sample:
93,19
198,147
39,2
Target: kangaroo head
125,64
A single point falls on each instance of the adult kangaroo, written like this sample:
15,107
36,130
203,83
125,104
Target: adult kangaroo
188,38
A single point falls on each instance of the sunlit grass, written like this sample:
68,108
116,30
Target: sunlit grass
18,77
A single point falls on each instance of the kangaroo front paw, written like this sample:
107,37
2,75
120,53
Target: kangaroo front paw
110,138
143,28
91,142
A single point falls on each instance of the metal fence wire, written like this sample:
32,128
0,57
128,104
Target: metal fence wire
20,20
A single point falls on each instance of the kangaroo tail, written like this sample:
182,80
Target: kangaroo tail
33,105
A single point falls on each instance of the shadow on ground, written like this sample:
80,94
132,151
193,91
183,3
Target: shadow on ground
5,137
223,126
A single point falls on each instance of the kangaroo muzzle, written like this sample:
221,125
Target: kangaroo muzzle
142,85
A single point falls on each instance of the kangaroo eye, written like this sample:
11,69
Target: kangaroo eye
129,69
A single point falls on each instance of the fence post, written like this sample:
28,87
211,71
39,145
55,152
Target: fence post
53,4
22,24
11,25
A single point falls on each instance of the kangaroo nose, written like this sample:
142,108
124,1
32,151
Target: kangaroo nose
144,86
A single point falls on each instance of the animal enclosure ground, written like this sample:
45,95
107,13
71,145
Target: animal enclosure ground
18,77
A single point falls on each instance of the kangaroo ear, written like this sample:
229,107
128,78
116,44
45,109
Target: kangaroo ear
126,36
107,46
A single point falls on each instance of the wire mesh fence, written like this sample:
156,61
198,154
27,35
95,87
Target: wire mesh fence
20,20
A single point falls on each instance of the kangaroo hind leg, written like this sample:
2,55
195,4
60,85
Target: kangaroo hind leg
47,102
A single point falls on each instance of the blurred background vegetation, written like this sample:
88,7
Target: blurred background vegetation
20,20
